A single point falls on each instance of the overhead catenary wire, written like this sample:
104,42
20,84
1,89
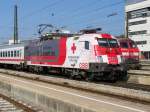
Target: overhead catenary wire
79,21
42,9
76,14
81,7
90,12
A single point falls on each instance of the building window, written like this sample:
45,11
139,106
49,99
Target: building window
138,32
137,22
141,42
139,13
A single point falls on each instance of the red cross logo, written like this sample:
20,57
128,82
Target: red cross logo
73,48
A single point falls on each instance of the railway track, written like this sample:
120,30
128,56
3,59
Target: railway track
141,76
44,88
123,84
123,90
145,65
8,104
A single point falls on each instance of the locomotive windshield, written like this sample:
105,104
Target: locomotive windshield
132,44
108,43
124,44
128,44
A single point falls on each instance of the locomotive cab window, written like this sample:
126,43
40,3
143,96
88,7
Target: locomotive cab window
124,44
108,42
113,43
132,44
103,42
87,45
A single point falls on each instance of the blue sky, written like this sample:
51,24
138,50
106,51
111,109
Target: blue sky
73,14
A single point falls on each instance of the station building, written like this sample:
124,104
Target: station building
138,24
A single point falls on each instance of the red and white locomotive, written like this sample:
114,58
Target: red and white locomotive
88,55
130,52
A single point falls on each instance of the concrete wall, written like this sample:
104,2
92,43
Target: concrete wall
46,103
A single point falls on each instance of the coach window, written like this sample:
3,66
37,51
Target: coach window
15,53
20,53
8,53
0,54
11,53
3,53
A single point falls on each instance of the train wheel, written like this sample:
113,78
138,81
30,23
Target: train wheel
76,74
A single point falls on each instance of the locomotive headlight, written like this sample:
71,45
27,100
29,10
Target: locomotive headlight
100,59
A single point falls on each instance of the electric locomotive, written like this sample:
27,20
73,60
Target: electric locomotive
88,55
130,53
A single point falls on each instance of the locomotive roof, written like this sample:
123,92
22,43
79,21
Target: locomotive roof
57,35
125,39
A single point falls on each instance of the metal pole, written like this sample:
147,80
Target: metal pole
127,25
15,25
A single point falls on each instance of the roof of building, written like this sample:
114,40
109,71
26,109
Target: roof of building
137,4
